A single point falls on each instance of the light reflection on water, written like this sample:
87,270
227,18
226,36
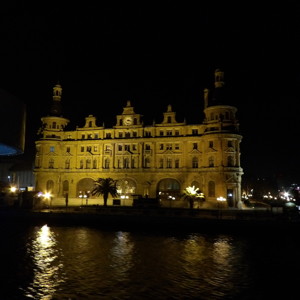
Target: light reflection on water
47,270
89,263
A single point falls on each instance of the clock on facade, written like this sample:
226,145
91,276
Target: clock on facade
128,121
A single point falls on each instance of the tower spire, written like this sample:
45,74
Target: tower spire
56,108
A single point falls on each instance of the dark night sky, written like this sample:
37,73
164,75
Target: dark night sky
160,54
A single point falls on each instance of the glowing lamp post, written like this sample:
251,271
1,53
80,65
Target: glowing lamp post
220,200
48,198
13,189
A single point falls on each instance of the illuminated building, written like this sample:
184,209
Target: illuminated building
158,160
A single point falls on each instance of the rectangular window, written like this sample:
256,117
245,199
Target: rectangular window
161,147
169,147
169,132
120,134
161,133
134,134
120,147
177,132
68,149
96,136
176,146
95,148
230,144
127,148
169,163
161,163
88,148
134,147
108,135
195,146
82,149
211,144
83,136
194,131
90,136
51,148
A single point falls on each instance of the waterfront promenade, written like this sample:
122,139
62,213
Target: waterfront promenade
157,218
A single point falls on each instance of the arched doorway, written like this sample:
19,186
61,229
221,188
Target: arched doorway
50,186
84,187
168,189
65,187
126,186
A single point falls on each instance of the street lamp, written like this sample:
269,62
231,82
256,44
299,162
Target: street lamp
48,198
81,196
220,200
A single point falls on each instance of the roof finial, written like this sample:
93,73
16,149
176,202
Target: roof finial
219,78
206,91
57,91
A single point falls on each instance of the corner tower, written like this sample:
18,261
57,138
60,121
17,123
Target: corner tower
222,144
54,124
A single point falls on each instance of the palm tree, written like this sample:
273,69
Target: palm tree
192,194
105,186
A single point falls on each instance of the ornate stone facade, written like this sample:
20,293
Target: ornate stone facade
159,160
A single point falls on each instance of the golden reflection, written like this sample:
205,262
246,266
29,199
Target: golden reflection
221,251
194,249
122,253
46,268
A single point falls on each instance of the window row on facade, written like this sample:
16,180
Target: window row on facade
128,187
130,134
134,162
133,147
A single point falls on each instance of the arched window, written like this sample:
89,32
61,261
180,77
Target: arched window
106,163
161,163
118,163
230,161
195,163
67,164
50,186
94,164
65,186
211,189
88,163
147,162
126,163
90,123
169,120
51,163
211,161
133,163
